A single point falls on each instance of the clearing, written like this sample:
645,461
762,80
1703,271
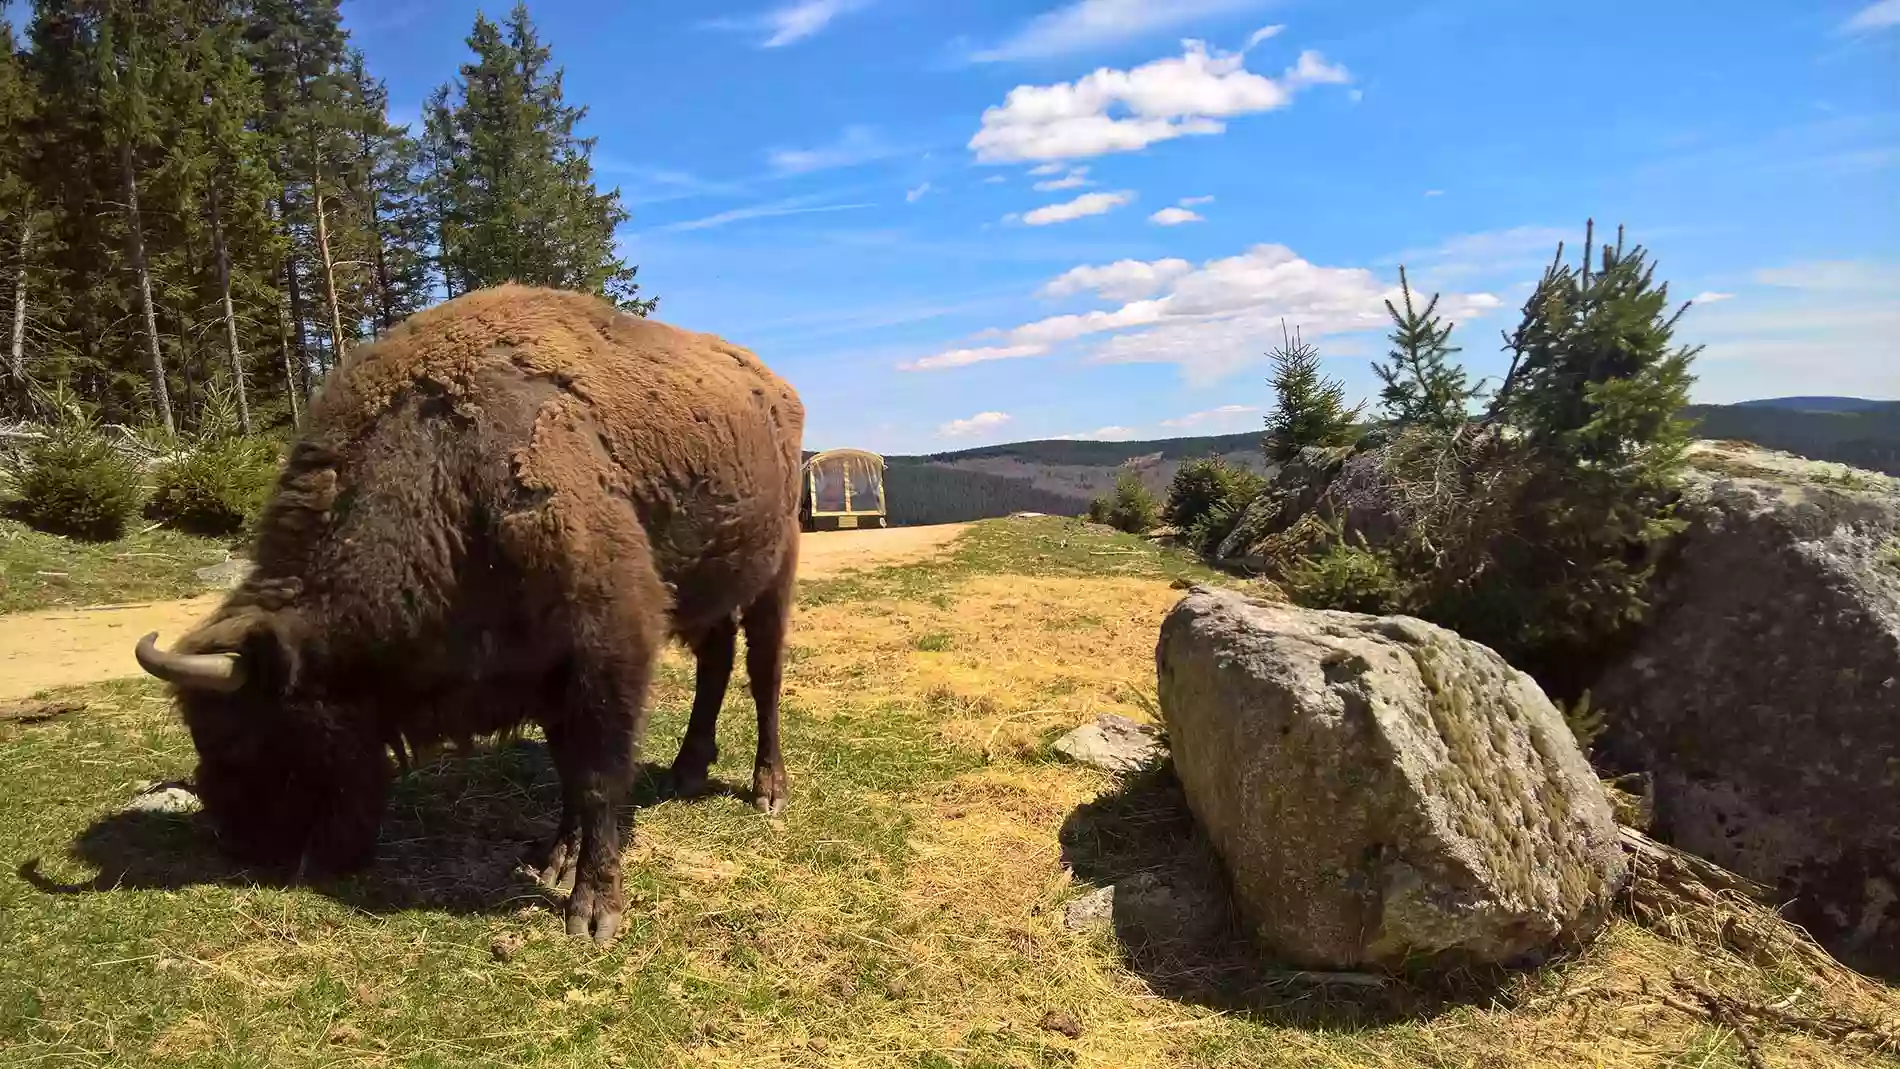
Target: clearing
907,911
88,644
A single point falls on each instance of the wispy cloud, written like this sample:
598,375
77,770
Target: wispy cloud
855,145
977,424
1075,179
1085,205
1111,111
1099,434
1225,414
1175,217
1209,320
789,206
1880,15
793,22
1711,297
912,196
1088,24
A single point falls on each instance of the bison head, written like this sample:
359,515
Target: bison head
285,776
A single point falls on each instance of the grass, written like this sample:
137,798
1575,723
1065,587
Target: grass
42,571
906,911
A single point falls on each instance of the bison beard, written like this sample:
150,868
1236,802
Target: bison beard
498,514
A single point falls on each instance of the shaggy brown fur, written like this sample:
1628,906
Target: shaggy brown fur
500,513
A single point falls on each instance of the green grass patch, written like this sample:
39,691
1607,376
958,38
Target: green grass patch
43,571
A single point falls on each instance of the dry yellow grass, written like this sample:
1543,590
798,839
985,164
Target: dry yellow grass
907,912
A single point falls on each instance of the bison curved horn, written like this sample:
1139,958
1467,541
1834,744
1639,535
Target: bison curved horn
219,672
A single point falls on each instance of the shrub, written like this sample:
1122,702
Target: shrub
74,483
1207,498
218,489
1130,508
1350,578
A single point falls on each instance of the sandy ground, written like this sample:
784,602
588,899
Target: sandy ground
68,646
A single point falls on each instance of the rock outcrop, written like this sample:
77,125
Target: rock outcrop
1347,486
1764,697
1380,789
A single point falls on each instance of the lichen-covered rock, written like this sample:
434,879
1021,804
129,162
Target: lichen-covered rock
1111,743
1292,490
1764,696
1381,789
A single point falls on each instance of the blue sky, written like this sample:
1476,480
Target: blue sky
950,224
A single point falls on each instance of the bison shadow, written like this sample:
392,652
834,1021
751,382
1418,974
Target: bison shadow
1173,918
453,838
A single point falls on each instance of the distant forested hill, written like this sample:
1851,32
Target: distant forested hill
1865,434
1060,476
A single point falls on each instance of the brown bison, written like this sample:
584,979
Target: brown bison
499,513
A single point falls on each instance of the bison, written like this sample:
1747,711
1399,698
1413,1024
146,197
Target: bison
498,514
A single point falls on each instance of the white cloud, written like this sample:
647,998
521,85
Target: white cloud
1835,275
1711,297
994,180
789,206
1192,94
1217,317
1086,24
855,145
1223,415
793,22
912,196
1487,253
1876,16
1175,217
1085,205
966,357
1046,169
1123,280
1434,192
1192,202
1099,434
1264,33
1075,179
977,424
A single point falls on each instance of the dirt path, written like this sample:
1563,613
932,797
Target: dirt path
67,646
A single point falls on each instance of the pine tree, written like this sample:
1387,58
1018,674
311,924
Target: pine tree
18,209
510,183
1422,387
1309,409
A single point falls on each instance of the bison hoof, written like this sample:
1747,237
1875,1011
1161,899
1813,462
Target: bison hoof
771,790
688,781
556,861
593,913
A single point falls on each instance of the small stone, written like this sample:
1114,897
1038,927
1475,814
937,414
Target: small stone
505,945
1092,910
1111,743
1057,1021
343,1034
164,798
817,1044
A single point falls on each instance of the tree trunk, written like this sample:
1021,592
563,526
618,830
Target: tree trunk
230,313
329,273
16,358
290,375
135,247
295,292
385,309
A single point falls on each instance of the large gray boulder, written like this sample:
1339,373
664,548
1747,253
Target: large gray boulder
1764,697
1381,789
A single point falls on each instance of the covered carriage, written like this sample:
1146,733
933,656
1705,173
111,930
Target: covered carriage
844,490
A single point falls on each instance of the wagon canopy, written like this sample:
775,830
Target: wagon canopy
845,482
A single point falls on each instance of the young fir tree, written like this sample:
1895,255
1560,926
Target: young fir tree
1558,558
1309,409
511,183
1422,386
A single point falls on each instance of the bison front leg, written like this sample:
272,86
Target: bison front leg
593,751
700,749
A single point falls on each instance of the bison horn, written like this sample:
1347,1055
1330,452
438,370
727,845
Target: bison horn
220,672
